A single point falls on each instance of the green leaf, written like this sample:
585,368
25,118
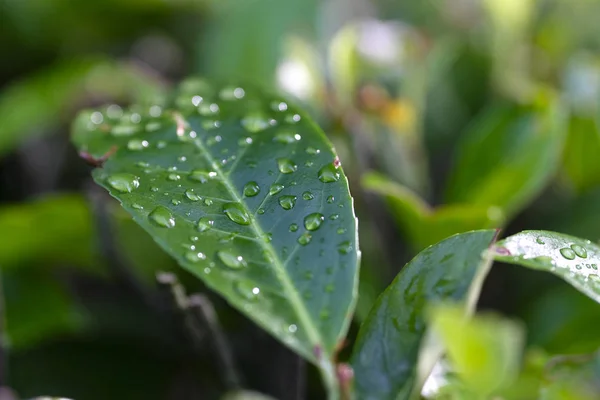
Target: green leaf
508,156
247,194
423,225
386,353
485,351
580,159
573,259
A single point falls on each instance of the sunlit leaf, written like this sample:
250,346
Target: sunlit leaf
246,193
386,353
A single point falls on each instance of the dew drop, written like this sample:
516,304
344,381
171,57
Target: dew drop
161,216
205,223
247,290
333,217
202,176
191,195
345,247
208,109
194,257
330,288
137,206
293,227
330,199
268,237
312,151
305,238
540,240
579,250
124,183
137,144
287,202
329,173
287,137
231,93
231,260
308,275
173,177
154,189
236,213
292,119
251,189
292,328
308,195
568,253
260,211
313,221
175,202
286,166
341,231
275,188
324,314
255,122
208,202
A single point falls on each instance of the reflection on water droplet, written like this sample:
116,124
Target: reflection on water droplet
154,189
333,217
580,251
231,93
173,177
175,202
251,189
255,122
312,151
124,183
247,290
328,173
292,328
540,240
205,223
208,202
330,199
136,144
279,106
287,202
292,119
308,195
286,166
236,213
275,188
194,257
161,216
345,247
231,260
261,211
287,137
202,176
305,238
191,195
293,227
313,221
137,206
568,253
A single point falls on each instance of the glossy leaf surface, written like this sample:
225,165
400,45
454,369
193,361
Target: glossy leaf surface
386,353
247,193
573,259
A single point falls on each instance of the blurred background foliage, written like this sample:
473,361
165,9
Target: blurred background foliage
449,115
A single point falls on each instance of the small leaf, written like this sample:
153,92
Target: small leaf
508,156
423,225
286,259
573,259
386,353
485,352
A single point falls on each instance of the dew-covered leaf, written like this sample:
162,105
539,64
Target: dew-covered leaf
387,351
507,157
245,192
424,225
573,259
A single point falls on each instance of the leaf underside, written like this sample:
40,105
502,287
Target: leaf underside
245,192
388,346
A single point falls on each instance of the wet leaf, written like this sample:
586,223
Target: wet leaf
247,193
573,259
387,349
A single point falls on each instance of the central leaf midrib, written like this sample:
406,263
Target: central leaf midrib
279,266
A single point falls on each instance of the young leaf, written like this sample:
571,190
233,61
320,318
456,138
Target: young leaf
508,156
573,259
386,353
247,193
423,225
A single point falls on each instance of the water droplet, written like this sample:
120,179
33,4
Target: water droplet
231,260
292,328
324,314
191,195
287,137
579,250
208,202
292,119
329,173
154,189
175,202
568,253
279,106
208,109
255,122
161,216
286,166
124,183
275,188
345,247
308,195
313,221
137,206
247,290
544,260
137,144
333,217
330,199
341,231
261,211
209,125
251,189
540,240
287,202
308,275
194,257
194,238
305,238
330,288
173,177
202,176
293,227
312,151
236,213
205,223
268,238
231,93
